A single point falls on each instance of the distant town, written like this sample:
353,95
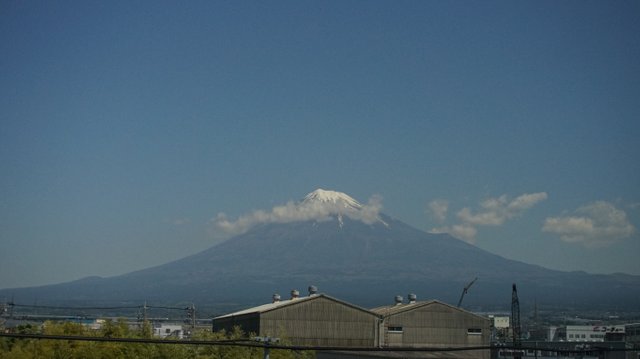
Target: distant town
323,326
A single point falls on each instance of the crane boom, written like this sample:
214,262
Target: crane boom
465,290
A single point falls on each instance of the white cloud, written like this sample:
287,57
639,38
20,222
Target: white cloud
299,212
526,201
495,211
370,212
492,212
595,225
438,209
486,218
464,232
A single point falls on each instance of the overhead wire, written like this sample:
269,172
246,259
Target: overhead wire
70,308
93,308
249,343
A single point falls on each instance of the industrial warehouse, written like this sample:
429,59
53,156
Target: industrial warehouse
319,320
321,326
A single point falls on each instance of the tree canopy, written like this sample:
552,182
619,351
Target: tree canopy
20,348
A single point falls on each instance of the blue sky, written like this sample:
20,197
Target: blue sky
127,126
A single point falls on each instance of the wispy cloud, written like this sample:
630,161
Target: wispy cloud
492,212
438,209
299,212
495,211
464,232
595,225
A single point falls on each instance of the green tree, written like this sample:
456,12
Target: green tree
74,349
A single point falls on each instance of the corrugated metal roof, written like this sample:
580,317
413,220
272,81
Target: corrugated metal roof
265,307
395,309
283,303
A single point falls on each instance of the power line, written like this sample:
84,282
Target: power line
248,343
12,304
170,308
68,308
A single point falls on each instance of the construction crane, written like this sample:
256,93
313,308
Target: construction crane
465,290
515,317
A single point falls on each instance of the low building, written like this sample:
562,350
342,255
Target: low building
433,324
633,334
590,333
319,320
316,320
573,341
500,326
632,339
165,330
500,321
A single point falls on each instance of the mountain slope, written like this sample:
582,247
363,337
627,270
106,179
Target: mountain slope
363,259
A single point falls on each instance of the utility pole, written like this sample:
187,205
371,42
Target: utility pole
266,341
11,305
144,312
191,313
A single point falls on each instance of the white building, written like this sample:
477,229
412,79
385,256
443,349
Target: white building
587,333
500,322
164,330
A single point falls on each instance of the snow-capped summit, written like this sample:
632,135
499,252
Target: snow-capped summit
338,204
339,198
317,206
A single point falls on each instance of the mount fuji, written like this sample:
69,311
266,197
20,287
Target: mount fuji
349,250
